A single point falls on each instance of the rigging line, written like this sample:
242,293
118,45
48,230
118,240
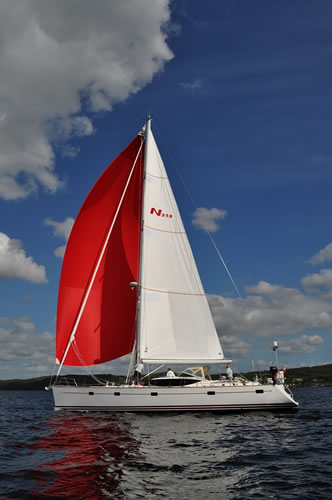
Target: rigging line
87,293
133,352
195,206
78,354
51,379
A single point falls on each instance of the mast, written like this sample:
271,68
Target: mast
146,154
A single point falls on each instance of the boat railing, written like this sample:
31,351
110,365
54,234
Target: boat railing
201,372
67,381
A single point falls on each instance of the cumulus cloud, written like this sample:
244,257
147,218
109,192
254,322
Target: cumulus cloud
270,311
21,341
316,281
24,352
14,264
305,344
206,218
61,230
233,346
58,57
324,255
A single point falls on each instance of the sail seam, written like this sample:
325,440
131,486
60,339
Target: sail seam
158,176
164,230
173,292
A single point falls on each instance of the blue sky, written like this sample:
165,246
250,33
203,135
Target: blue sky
240,93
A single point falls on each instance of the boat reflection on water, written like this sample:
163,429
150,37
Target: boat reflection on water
86,456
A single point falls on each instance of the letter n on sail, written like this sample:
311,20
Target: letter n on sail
154,211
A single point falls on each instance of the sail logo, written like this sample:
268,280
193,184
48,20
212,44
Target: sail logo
160,213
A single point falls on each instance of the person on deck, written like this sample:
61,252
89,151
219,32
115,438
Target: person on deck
170,373
138,372
229,373
274,374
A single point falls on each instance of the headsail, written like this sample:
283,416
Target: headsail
106,329
175,320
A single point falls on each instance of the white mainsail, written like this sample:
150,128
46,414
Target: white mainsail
175,320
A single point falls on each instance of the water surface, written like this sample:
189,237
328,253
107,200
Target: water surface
47,454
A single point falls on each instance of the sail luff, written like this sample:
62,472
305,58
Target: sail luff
90,285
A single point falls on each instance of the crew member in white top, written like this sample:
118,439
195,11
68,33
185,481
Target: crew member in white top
170,373
229,373
139,367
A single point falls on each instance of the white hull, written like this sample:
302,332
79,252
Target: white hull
197,397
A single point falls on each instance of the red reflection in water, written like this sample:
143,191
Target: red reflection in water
95,451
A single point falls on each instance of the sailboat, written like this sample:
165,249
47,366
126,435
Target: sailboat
129,285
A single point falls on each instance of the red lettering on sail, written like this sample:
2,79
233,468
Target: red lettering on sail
160,213
154,211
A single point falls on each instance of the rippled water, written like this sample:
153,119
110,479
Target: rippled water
46,454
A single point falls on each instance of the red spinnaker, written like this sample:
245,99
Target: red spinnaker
106,329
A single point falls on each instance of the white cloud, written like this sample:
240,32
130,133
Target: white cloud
61,230
265,288
20,341
24,352
54,56
233,346
197,85
276,312
14,264
323,255
206,218
316,281
306,344
60,251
